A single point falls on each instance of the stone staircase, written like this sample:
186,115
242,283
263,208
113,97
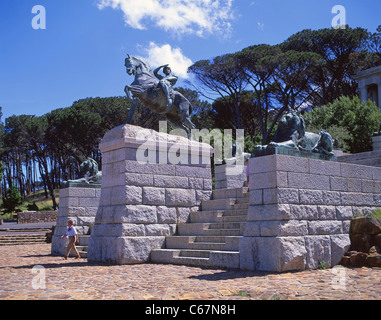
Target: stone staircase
19,239
22,236
212,236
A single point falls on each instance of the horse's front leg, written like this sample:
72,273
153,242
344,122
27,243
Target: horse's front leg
134,101
129,96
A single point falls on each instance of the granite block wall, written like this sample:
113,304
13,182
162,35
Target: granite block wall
79,204
142,202
300,211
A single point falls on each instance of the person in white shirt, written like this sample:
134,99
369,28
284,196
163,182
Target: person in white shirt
73,239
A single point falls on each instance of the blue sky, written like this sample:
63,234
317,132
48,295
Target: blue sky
81,52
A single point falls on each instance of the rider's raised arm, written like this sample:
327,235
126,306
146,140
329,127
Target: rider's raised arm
156,72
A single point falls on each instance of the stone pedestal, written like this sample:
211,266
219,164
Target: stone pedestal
376,139
300,211
150,183
230,176
79,204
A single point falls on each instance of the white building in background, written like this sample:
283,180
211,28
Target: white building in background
370,84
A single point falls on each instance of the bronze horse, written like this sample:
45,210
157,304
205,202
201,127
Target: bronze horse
146,90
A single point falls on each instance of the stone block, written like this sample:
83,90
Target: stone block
344,212
171,182
253,229
278,163
376,173
67,202
280,195
324,227
318,250
77,192
126,195
349,170
308,181
311,196
256,196
357,199
88,202
202,195
207,184
166,214
183,214
354,185
180,197
265,180
269,212
304,212
138,179
327,168
123,250
153,196
193,172
338,183
331,198
137,214
340,244
326,213
283,228
160,229
275,254
194,183
148,168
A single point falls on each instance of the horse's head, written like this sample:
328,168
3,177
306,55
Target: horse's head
136,66
130,65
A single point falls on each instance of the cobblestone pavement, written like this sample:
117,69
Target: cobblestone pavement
76,279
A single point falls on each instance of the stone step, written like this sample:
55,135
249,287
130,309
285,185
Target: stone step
212,236
83,240
218,216
230,193
225,259
194,253
20,230
203,229
203,242
22,239
211,229
82,250
218,204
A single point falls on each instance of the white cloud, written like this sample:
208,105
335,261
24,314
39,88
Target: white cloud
261,26
160,55
201,17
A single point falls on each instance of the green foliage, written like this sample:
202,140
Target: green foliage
322,265
12,200
359,120
376,214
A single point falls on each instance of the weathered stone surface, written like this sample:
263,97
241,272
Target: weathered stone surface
366,226
318,250
154,196
324,227
340,244
166,214
180,197
283,228
327,196
286,254
269,212
144,196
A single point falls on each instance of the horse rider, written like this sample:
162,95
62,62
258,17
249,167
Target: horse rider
167,82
